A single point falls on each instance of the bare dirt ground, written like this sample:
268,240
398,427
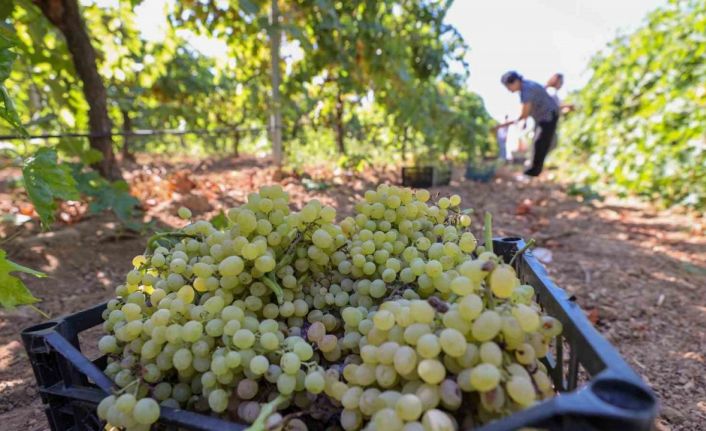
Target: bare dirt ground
639,273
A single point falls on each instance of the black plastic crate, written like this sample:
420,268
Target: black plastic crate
442,176
612,398
481,172
426,176
418,177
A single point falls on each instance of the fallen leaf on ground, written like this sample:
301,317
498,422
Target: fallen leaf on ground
524,207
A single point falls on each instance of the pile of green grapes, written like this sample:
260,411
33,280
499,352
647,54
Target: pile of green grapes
392,319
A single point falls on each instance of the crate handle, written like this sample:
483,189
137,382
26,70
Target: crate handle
608,400
616,402
623,394
82,363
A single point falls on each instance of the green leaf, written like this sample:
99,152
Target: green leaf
108,196
13,291
116,197
8,38
248,7
7,57
6,7
220,221
8,112
77,147
46,181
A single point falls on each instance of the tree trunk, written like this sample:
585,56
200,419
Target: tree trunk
340,131
66,16
404,145
275,113
127,138
236,144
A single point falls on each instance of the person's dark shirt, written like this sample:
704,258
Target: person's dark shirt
543,106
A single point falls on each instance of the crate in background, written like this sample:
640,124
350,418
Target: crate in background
418,177
442,176
482,172
424,177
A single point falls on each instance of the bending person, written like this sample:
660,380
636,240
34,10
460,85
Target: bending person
539,105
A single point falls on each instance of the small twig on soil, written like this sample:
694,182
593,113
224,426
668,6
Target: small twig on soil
586,274
558,235
10,237
119,236
45,315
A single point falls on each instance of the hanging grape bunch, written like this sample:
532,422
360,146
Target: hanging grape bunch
392,319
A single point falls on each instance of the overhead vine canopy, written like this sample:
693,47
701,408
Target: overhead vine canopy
355,72
641,119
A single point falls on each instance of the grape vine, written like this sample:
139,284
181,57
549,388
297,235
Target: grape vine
640,125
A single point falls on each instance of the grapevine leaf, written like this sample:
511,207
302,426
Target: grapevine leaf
108,196
248,7
7,57
6,9
220,221
8,112
46,181
116,197
86,181
13,291
165,239
78,148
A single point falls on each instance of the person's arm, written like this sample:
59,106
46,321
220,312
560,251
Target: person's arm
524,113
565,108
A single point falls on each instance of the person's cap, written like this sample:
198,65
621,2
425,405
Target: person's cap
510,77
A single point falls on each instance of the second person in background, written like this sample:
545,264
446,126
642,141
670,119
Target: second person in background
553,86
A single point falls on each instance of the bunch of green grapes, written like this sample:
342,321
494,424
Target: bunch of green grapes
210,313
433,320
395,318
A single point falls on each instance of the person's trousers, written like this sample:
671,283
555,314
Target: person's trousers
502,149
543,137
